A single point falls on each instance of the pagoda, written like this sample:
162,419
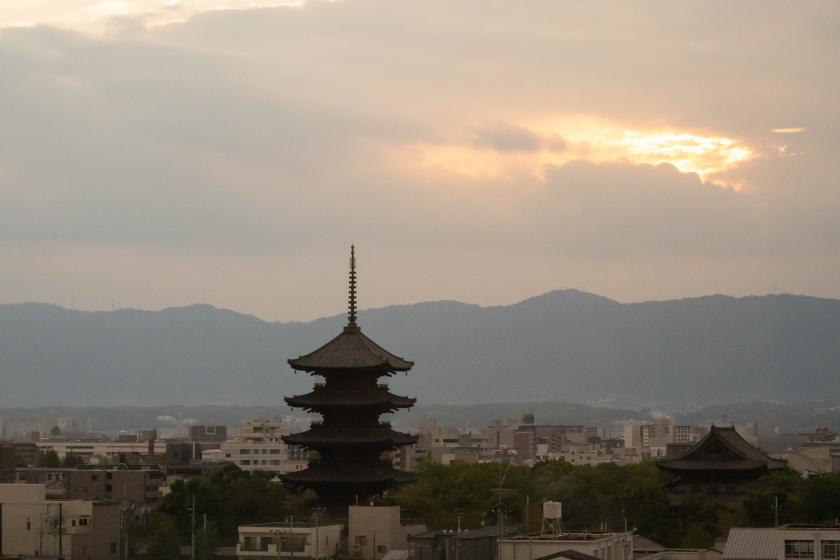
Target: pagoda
350,441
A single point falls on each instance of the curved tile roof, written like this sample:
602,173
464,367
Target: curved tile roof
722,449
350,350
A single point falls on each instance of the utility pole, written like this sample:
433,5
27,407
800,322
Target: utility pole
775,511
192,530
527,513
458,540
206,540
60,531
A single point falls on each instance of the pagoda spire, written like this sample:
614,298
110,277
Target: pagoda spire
351,317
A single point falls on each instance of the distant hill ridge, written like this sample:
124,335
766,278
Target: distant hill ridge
564,345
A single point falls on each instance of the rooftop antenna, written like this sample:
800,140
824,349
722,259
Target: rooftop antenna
352,299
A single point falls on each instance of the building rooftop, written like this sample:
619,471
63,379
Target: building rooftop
350,350
721,449
568,555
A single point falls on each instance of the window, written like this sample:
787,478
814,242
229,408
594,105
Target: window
381,548
293,543
83,522
245,461
831,550
94,477
244,451
799,550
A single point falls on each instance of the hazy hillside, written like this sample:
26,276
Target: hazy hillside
561,346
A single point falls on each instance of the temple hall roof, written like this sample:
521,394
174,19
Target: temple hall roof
722,449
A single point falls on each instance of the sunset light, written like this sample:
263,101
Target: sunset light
574,139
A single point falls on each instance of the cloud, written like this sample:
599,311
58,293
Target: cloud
575,141
508,138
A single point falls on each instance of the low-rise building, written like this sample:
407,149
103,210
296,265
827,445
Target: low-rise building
288,540
603,546
468,544
30,524
789,542
139,487
374,531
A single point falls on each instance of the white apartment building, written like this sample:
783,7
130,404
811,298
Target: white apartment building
789,542
659,434
258,447
287,540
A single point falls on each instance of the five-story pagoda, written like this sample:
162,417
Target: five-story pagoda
350,440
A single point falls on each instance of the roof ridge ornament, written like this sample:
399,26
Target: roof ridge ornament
351,317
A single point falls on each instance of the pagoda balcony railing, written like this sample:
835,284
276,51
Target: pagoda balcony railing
383,386
320,424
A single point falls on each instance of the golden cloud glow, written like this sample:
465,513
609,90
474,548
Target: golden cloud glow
792,130
569,139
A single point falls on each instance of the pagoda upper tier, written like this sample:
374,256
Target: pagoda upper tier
351,350
323,397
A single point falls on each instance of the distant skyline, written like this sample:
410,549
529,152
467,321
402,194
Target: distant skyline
158,153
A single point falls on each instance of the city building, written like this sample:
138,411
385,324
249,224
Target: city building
103,452
288,540
720,463
603,546
789,542
350,440
207,434
468,544
374,531
138,487
30,524
816,459
259,446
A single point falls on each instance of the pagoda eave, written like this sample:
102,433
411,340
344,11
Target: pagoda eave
312,438
316,400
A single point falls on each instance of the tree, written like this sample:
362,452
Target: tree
164,542
49,459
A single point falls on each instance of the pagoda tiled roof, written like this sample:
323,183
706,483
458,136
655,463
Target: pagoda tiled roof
350,350
324,398
320,434
721,449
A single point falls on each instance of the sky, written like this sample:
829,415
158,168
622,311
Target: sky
162,153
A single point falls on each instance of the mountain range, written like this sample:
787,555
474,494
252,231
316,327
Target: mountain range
561,346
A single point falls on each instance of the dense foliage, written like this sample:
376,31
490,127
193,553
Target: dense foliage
613,496
229,497
610,496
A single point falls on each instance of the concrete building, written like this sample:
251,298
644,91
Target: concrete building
789,542
101,451
207,434
603,546
468,544
73,529
139,487
374,531
258,447
817,459
288,540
